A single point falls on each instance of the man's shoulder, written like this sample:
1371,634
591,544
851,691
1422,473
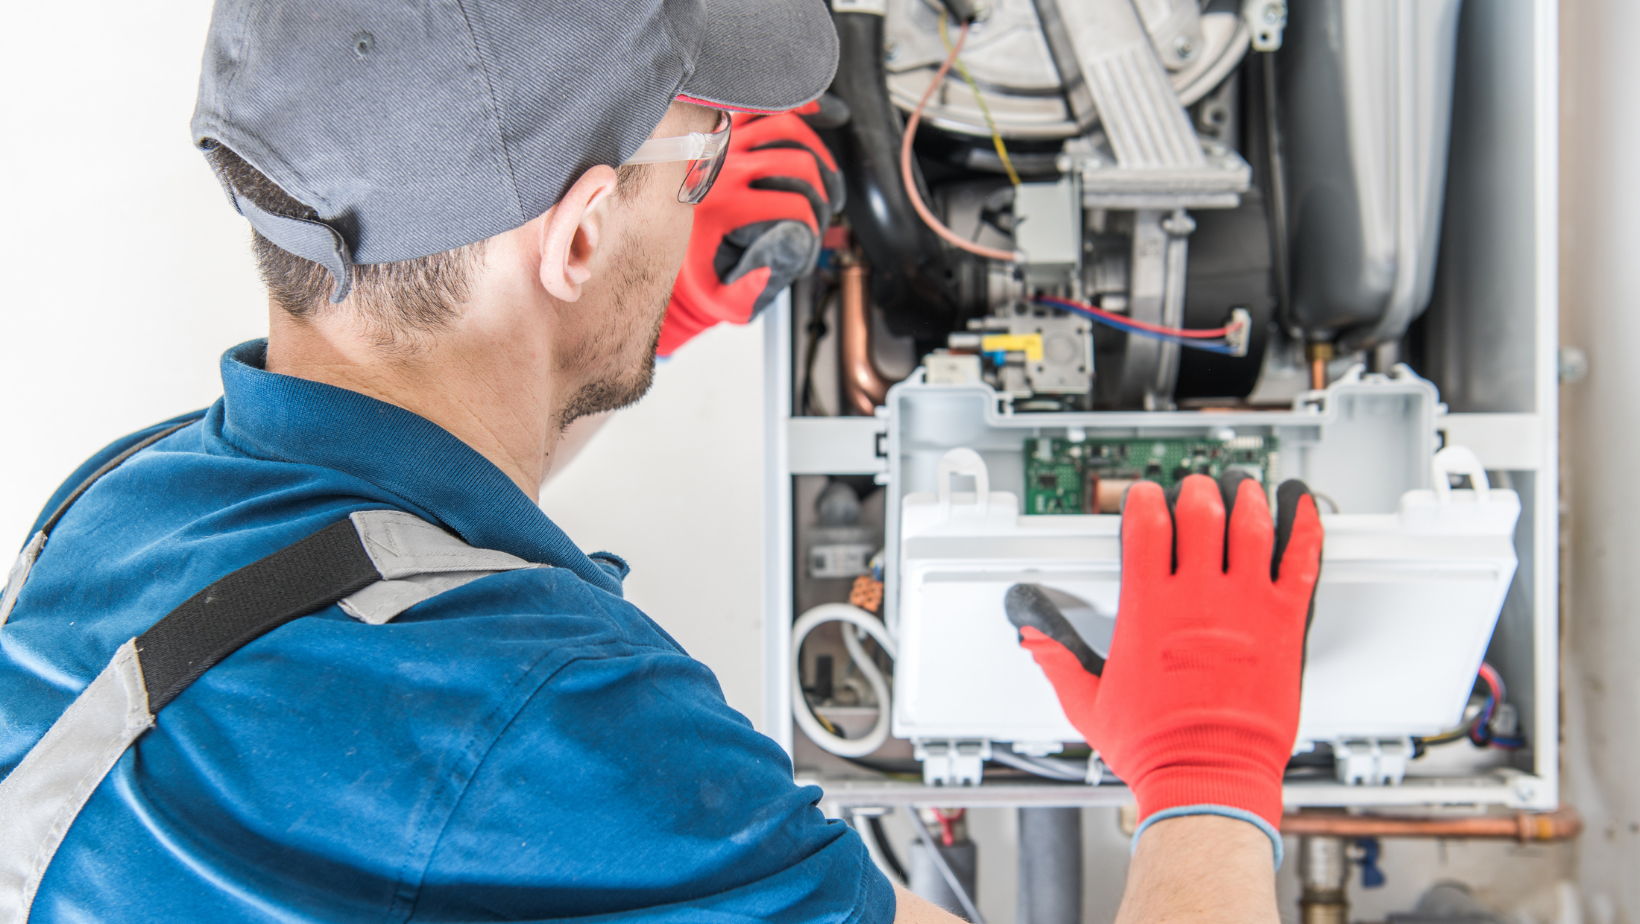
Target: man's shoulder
193,508
106,456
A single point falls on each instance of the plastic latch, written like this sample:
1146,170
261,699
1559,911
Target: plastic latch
952,763
963,461
1371,761
1459,460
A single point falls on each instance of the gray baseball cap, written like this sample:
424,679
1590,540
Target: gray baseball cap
416,126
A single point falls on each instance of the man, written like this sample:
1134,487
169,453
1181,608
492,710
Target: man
458,267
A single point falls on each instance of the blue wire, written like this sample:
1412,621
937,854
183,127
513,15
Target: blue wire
1482,735
1166,338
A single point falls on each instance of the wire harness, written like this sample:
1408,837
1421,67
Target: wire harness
1479,729
806,719
909,176
1231,338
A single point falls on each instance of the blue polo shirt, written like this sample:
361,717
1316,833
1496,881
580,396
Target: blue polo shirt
527,747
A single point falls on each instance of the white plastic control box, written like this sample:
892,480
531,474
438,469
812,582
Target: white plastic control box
1415,577
1405,607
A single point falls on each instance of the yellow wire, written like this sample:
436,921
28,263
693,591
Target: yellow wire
824,723
996,136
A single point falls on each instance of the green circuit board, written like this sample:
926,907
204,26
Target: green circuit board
1065,476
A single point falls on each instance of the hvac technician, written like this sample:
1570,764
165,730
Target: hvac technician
316,654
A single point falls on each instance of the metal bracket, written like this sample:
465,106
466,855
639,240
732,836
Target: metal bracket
836,445
1149,367
952,763
1105,56
872,7
1372,761
1265,20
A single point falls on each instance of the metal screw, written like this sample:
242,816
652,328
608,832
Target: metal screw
1184,48
1574,365
1178,224
891,51
1275,12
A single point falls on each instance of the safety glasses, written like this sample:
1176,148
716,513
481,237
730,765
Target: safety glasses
705,151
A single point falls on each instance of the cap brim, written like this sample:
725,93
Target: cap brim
763,55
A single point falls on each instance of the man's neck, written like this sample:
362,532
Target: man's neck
489,392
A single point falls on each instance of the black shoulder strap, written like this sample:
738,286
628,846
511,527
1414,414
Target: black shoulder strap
302,578
299,579
374,563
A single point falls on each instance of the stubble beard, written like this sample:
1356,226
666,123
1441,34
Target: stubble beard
639,306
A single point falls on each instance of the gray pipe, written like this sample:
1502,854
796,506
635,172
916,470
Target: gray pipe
1050,866
928,882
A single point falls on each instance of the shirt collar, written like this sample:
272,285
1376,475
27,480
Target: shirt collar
297,420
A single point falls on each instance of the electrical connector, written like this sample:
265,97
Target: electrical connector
867,593
1239,331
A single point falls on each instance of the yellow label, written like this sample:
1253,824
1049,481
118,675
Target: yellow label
1029,344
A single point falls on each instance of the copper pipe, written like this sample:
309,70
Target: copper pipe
1564,823
864,386
1320,353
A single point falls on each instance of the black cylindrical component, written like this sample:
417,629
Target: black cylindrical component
823,677
927,881
1050,866
916,280
1230,267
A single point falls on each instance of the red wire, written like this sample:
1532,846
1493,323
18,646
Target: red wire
947,835
1205,334
1493,679
955,239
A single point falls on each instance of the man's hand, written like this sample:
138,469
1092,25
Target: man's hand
758,229
1197,706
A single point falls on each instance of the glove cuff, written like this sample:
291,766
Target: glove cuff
1253,790
1224,811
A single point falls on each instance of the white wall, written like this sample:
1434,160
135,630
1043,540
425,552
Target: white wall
1600,280
126,274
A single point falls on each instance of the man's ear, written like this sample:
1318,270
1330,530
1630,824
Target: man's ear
573,232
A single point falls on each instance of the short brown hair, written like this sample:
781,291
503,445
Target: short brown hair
401,303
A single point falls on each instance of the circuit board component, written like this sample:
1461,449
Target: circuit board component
1090,475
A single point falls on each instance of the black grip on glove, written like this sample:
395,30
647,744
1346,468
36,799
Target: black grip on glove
1028,605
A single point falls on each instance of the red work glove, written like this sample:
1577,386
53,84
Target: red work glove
1196,708
758,229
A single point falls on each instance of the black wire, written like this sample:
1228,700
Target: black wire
888,767
816,330
1276,204
883,847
